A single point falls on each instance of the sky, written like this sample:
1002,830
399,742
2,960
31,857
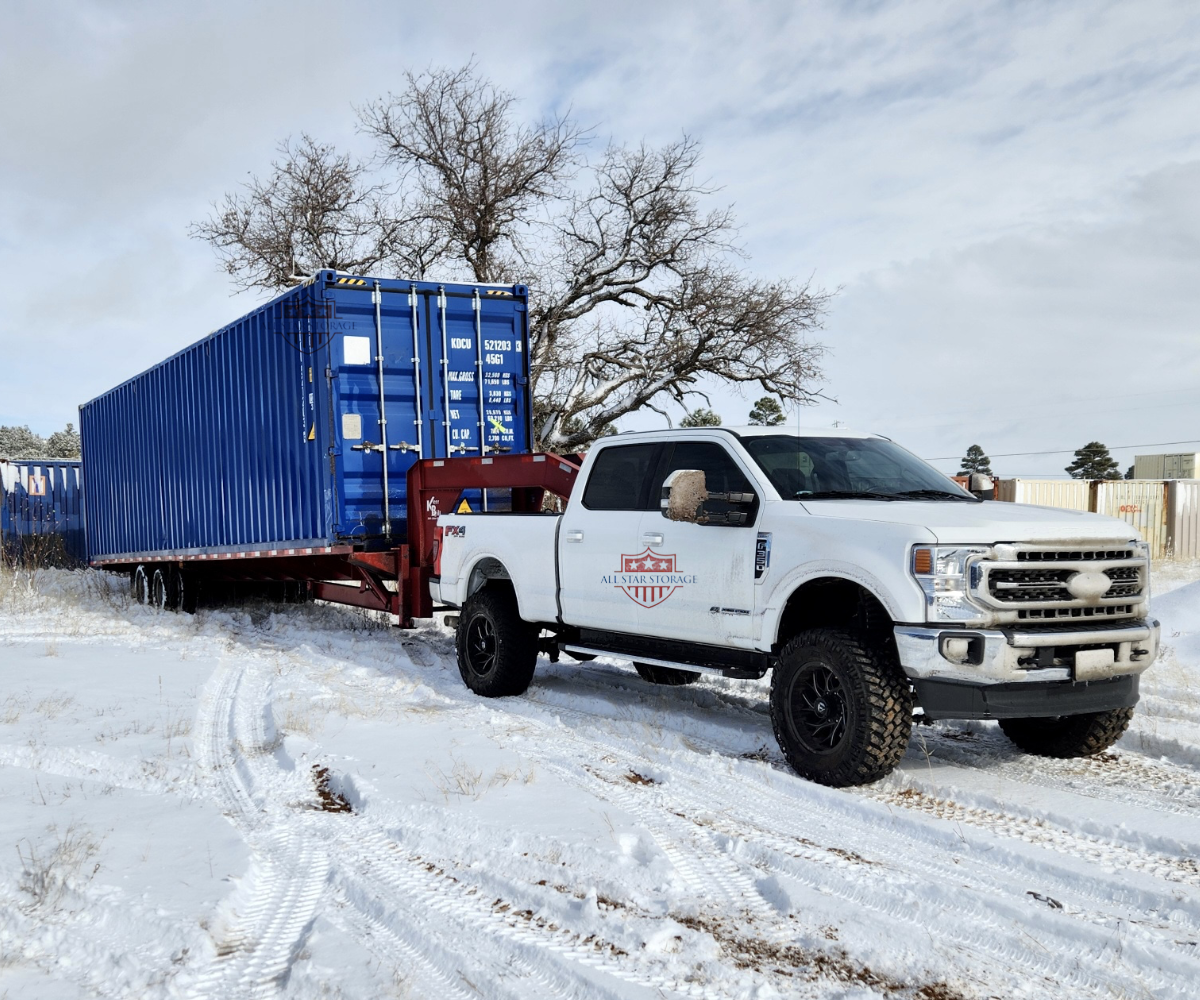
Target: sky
1004,196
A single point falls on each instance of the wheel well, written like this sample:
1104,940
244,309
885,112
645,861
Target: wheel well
485,571
833,602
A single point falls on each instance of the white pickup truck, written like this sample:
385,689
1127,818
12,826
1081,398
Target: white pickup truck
866,582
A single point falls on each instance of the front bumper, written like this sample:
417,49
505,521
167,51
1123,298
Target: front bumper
1027,656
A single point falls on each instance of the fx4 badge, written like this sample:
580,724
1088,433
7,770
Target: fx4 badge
648,578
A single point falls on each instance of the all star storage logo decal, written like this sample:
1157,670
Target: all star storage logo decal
648,578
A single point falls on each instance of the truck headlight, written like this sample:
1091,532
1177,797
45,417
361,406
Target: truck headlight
944,573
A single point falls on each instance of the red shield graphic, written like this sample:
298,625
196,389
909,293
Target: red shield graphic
647,578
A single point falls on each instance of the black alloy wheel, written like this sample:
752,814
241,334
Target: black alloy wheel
817,708
841,707
481,646
497,649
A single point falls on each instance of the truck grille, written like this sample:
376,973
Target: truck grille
1045,584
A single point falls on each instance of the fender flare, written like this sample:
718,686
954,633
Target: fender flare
851,573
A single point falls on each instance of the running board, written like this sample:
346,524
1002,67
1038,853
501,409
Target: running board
691,668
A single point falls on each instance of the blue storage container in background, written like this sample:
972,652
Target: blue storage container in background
41,510
271,429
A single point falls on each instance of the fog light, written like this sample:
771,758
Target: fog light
956,649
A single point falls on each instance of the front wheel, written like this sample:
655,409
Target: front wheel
497,649
842,711
1069,735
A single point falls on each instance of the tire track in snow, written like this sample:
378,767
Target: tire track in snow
1120,776
270,914
1004,941
293,852
379,861
998,821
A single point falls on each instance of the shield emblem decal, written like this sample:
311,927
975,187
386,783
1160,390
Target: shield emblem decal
648,577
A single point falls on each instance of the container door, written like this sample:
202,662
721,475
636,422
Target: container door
373,380
477,345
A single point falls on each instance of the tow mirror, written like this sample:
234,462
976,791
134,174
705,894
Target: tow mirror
685,493
683,496
982,486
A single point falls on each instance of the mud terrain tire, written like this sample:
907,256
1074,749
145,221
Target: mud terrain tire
497,650
842,710
667,676
1068,735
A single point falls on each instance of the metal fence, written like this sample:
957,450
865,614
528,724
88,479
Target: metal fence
1166,513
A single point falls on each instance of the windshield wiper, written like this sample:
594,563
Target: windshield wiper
843,495
937,495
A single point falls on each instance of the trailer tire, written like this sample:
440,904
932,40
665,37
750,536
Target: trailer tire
161,589
139,585
497,649
187,586
667,676
841,709
1068,735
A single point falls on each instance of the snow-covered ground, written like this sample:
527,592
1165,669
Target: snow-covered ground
301,801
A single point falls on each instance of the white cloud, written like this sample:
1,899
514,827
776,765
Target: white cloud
1005,191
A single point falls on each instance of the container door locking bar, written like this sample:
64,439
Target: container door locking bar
404,446
377,298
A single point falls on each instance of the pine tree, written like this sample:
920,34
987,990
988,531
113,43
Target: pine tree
64,443
767,412
21,442
1093,461
975,461
701,418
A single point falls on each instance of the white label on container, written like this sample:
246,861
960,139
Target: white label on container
351,426
357,350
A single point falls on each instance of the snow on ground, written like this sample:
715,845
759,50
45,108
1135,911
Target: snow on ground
299,801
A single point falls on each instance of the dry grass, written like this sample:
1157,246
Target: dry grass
51,869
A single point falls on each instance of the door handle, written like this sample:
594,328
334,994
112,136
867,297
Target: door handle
652,537
574,535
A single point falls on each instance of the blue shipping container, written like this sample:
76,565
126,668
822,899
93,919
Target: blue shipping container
41,510
271,429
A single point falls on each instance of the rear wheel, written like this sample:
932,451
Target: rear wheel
842,710
164,593
139,585
497,650
1068,735
668,676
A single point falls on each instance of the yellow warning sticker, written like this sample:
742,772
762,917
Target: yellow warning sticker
312,432
464,508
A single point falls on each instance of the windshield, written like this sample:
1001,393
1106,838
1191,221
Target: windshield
828,468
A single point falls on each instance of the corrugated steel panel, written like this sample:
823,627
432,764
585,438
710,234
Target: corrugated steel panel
270,429
1183,519
1072,494
1176,465
1141,503
42,498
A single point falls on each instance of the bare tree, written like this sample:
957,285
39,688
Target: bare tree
318,208
480,177
638,290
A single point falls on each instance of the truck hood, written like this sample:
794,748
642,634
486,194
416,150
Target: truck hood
980,524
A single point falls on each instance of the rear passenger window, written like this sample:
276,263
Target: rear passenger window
619,478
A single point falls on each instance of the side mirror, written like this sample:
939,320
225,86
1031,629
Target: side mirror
685,493
982,486
683,496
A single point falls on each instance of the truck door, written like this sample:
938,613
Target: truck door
599,534
706,591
